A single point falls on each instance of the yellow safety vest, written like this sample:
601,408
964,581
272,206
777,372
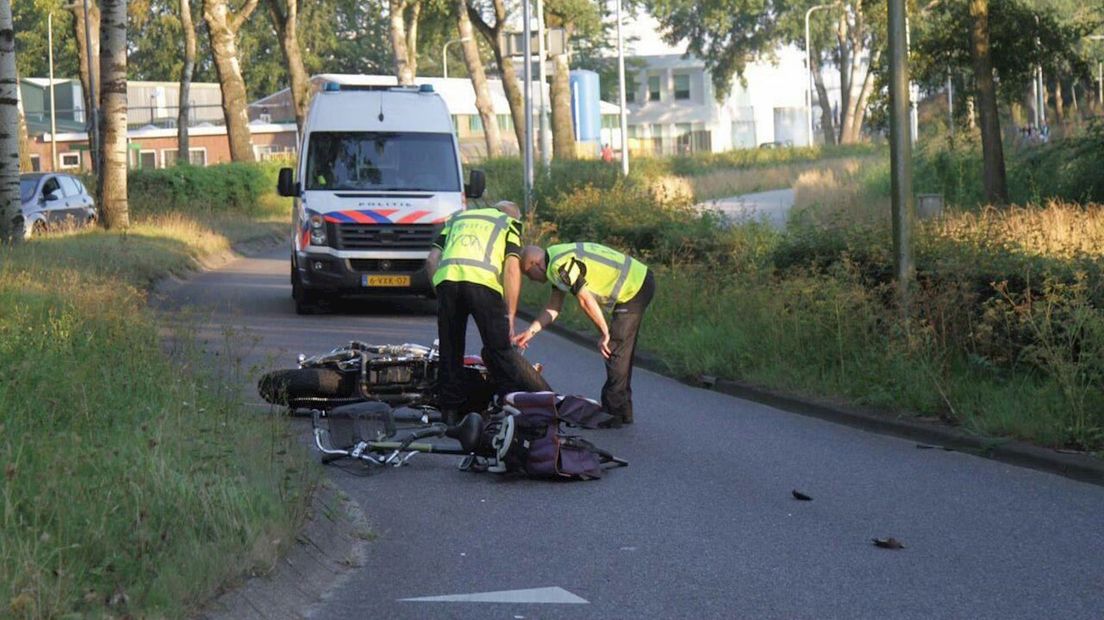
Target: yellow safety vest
475,247
612,277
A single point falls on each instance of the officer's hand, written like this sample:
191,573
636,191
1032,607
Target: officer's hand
603,346
522,340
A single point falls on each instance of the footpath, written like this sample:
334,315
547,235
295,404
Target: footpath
772,207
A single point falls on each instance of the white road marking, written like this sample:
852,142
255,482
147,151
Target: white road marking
532,595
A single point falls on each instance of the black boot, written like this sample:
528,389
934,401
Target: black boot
450,416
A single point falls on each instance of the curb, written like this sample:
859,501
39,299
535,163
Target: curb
1078,466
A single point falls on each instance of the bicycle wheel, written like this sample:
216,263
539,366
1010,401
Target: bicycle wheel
322,388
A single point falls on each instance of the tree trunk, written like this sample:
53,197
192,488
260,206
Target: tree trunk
496,37
996,186
859,114
563,130
412,35
24,140
89,82
113,132
285,18
845,59
184,105
483,101
1059,104
9,120
223,30
404,67
827,125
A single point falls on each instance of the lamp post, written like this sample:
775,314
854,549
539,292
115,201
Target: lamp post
545,138
623,113
808,65
444,54
527,76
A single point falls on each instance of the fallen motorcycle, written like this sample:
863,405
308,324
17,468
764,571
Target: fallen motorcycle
403,375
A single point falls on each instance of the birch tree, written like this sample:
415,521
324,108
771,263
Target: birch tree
222,27
483,101
495,34
285,18
90,83
186,73
9,122
403,16
113,131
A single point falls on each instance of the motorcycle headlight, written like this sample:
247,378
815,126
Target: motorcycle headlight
317,230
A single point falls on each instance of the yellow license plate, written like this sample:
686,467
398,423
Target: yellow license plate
386,280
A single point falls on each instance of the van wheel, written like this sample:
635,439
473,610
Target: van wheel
38,229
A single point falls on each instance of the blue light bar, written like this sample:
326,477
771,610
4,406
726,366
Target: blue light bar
333,87
425,88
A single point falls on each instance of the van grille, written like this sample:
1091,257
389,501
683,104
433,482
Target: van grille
386,236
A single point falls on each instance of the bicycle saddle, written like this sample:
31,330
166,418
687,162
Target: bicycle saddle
467,431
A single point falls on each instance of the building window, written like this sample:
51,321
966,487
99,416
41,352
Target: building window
505,122
682,86
36,163
653,88
475,124
630,89
147,160
198,157
70,160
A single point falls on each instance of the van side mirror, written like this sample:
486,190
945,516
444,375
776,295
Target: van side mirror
477,182
285,186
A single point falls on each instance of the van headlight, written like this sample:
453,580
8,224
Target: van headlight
317,230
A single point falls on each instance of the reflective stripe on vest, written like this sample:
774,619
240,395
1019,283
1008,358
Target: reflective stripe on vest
624,268
500,224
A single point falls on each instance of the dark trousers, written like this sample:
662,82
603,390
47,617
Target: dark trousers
624,328
456,301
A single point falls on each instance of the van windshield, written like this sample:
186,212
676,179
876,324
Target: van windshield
382,161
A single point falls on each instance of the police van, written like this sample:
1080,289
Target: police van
379,173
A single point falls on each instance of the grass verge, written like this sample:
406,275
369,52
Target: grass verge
134,484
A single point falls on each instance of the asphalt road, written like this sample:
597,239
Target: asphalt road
702,524
771,207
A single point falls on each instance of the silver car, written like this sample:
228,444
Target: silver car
52,201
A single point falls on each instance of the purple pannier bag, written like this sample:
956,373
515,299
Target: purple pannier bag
548,453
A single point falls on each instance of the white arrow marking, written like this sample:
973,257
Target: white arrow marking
531,595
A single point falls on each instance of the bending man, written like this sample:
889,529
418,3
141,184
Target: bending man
600,278
474,264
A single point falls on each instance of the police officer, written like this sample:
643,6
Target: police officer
601,279
476,272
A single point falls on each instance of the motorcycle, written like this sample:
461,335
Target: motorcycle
402,375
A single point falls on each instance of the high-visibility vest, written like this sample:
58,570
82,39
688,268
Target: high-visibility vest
611,277
475,247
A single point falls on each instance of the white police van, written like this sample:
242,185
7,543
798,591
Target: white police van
379,172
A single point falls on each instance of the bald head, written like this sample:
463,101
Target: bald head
509,208
533,263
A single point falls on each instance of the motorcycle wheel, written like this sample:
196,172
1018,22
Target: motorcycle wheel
320,388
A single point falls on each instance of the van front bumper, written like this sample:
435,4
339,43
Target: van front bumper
326,273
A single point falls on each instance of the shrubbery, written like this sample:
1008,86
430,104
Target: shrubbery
234,188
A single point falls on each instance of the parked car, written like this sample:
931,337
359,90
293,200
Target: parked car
52,201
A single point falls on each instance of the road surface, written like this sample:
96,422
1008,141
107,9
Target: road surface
771,207
702,524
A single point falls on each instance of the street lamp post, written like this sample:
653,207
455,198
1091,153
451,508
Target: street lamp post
623,113
545,138
527,75
444,54
808,66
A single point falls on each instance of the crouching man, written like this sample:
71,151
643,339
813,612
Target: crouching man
601,279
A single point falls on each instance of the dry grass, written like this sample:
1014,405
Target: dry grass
737,181
831,195
1060,230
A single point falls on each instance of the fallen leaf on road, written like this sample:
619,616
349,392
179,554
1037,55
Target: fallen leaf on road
888,543
801,496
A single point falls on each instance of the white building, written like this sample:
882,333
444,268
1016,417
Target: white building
459,96
673,106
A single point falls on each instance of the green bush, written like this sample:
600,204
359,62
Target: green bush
234,188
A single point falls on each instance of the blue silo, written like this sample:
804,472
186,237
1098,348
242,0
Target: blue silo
585,102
